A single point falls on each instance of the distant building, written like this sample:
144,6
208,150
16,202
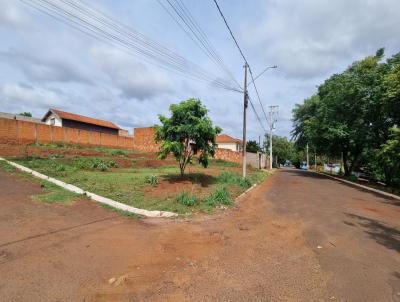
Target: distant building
20,117
225,141
58,118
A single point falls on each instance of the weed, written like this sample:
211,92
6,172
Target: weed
93,164
152,180
234,179
55,156
219,196
55,194
115,152
186,199
7,167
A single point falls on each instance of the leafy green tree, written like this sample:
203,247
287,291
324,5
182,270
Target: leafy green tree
28,114
253,147
281,147
389,157
352,112
188,132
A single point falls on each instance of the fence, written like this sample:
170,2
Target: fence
22,132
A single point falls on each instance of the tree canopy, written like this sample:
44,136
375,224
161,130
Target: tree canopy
188,132
352,114
252,146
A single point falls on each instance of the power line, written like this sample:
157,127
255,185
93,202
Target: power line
243,56
179,11
98,25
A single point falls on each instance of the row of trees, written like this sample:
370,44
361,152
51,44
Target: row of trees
355,116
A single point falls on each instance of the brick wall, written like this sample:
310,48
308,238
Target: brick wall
144,139
228,155
21,132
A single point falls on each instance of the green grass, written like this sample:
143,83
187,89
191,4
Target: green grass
140,187
7,167
122,212
55,194
51,193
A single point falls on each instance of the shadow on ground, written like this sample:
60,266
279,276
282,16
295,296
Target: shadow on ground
381,233
311,174
204,180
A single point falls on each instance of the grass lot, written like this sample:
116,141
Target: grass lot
50,192
142,181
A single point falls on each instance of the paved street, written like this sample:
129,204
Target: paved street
297,237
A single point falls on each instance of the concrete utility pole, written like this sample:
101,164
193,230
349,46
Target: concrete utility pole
272,118
307,156
245,104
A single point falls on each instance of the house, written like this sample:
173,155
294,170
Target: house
225,141
58,118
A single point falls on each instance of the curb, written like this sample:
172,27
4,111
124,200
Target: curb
92,196
360,186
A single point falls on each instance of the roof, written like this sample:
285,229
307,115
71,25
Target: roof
224,138
80,118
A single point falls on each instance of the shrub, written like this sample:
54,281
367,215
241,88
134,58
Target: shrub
118,152
94,163
219,196
235,179
186,199
152,179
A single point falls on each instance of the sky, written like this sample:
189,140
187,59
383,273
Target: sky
47,64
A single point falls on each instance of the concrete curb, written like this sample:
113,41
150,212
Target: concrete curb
360,186
91,195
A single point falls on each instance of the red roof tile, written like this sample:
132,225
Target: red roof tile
224,138
83,119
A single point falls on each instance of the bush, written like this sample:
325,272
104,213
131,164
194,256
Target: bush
219,196
152,179
186,199
115,152
234,179
94,164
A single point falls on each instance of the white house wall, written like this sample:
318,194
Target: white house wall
230,146
57,122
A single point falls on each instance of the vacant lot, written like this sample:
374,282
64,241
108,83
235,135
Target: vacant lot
140,179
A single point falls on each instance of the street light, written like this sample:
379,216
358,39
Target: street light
261,73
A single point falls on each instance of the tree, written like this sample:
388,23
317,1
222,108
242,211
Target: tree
188,132
352,112
252,146
389,157
28,114
281,148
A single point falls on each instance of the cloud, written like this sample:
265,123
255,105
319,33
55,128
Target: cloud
49,68
134,79
23,97
311,38
11,16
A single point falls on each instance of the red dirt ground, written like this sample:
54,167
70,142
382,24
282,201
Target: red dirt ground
296,237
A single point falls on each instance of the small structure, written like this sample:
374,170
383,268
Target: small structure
20,117
58,118
225,141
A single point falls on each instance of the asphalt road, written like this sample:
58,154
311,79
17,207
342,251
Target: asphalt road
297,237
355,233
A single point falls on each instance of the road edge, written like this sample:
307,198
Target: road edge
92,196
386,194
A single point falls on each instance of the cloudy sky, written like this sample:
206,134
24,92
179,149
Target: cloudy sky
45,63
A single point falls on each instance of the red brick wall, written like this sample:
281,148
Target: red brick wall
14,131
228,155
144,139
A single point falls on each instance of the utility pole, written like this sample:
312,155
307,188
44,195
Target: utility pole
272,118
245,104
307,156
